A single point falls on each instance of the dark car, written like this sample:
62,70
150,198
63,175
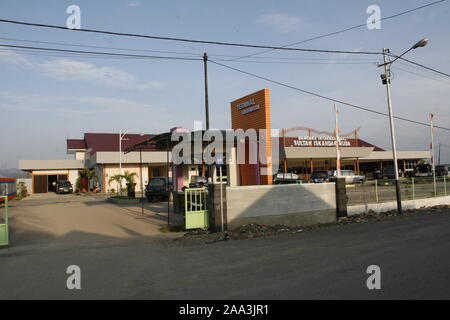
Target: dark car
64,186
441,170
198,182
423,170
385,173
286,178
321,176
158,188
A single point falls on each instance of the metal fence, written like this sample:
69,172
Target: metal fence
196,211
378,191
4,237
8,188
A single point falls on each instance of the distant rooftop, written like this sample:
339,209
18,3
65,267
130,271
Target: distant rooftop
107,142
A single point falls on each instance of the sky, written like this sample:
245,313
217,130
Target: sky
46,99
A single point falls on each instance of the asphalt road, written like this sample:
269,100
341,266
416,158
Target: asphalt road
330,263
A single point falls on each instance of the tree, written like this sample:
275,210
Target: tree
128,177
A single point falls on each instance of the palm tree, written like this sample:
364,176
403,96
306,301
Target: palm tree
128,177
118,178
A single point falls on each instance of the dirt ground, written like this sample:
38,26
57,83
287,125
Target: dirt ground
43,218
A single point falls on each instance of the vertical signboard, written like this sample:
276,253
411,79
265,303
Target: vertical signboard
253,112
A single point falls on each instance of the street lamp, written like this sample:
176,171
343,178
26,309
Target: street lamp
121,138
386,80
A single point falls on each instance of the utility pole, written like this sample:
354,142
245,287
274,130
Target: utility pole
432,152
338,147
439,155
142,184
119,192
387,81
205,67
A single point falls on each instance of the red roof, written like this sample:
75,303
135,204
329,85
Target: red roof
362,143
76,144
108,142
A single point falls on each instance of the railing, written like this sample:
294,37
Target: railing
196,211
378,191
4,236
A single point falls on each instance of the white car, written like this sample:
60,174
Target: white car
350,176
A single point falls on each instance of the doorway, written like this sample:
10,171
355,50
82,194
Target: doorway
43,183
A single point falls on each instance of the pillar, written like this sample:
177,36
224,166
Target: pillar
341,198
215,214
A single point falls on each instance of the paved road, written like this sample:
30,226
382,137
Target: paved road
413,253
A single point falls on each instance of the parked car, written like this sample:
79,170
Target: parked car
442,170
385,173
64,186
423,170
349,175
198,182
158,188
287,178
321,176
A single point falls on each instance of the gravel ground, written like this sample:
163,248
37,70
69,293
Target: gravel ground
250,231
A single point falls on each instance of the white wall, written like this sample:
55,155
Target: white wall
271,202
73,176
111,170
28,183
80,155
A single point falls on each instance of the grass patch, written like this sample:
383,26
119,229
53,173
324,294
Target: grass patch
166,229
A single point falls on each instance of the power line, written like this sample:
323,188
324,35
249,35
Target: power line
178,52
100,53
99,47
421,75
301,63
219,43
425,67
325,97
187,40
291,58
343,30
64,55
419,69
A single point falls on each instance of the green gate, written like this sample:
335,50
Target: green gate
4,237
196,212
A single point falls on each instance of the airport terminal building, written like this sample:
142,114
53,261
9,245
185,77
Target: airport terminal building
300,154
98,151
305,154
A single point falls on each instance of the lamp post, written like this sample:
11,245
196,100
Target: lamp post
386,80
121,138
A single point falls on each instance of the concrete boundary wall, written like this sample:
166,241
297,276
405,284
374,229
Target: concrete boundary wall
289,204
407,204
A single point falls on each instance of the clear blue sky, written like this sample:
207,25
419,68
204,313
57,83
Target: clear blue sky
46,99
